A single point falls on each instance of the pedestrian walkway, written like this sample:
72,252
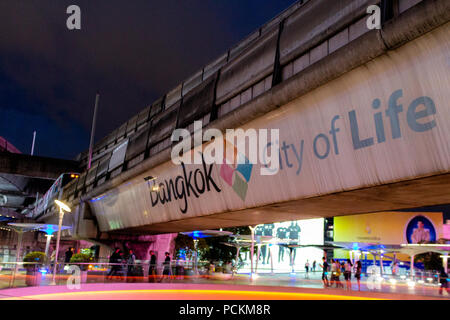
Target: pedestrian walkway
297,281
190,291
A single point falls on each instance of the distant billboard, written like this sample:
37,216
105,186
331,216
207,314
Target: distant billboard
303,232
389,227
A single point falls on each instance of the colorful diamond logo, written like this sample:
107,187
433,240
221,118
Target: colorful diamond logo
226,172
236,176
240,186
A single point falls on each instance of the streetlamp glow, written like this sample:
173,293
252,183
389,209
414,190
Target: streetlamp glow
62,207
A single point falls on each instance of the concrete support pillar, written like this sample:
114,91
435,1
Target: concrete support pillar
412,266
58,238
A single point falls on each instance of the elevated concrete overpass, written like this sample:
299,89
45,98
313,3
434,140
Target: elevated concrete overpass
23,177
363,123
34,166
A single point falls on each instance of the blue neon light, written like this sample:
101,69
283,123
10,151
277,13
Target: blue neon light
49,230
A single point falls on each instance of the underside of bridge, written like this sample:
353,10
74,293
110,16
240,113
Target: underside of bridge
23,178
427,191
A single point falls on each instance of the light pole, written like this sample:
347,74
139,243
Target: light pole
62,207
252,229
47,244
196,256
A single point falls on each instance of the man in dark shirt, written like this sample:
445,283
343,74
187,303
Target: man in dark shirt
167,271
443,279
68,255
114,259
324,267
281,233
152,267
259,230
294,235
268,229
294,231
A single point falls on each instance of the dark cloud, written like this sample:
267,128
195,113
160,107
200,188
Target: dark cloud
132,51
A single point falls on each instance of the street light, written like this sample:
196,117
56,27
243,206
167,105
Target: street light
62,207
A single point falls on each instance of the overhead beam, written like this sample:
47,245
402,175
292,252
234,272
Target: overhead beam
35,167
16,193
388,197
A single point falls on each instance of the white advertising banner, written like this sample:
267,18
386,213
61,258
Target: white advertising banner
386,121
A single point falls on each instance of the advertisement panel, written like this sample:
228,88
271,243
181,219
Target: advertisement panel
389,227
303,232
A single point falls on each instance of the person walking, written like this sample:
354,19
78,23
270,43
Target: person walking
166,270
152,267
358,274
68,255
307,269
443,279
339,271
113,260
395,268
348,273
324,267
314,266
131,261
333,273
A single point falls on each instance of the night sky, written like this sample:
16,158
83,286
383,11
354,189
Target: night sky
133,52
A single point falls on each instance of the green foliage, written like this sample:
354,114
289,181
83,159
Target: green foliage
186,243
183,242
431,260
35,256
81,258
239,230
217,251
211,249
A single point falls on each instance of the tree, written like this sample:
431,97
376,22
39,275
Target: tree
211,249
184,245
430,260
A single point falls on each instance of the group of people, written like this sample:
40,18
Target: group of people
335,269
153,270
117,261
